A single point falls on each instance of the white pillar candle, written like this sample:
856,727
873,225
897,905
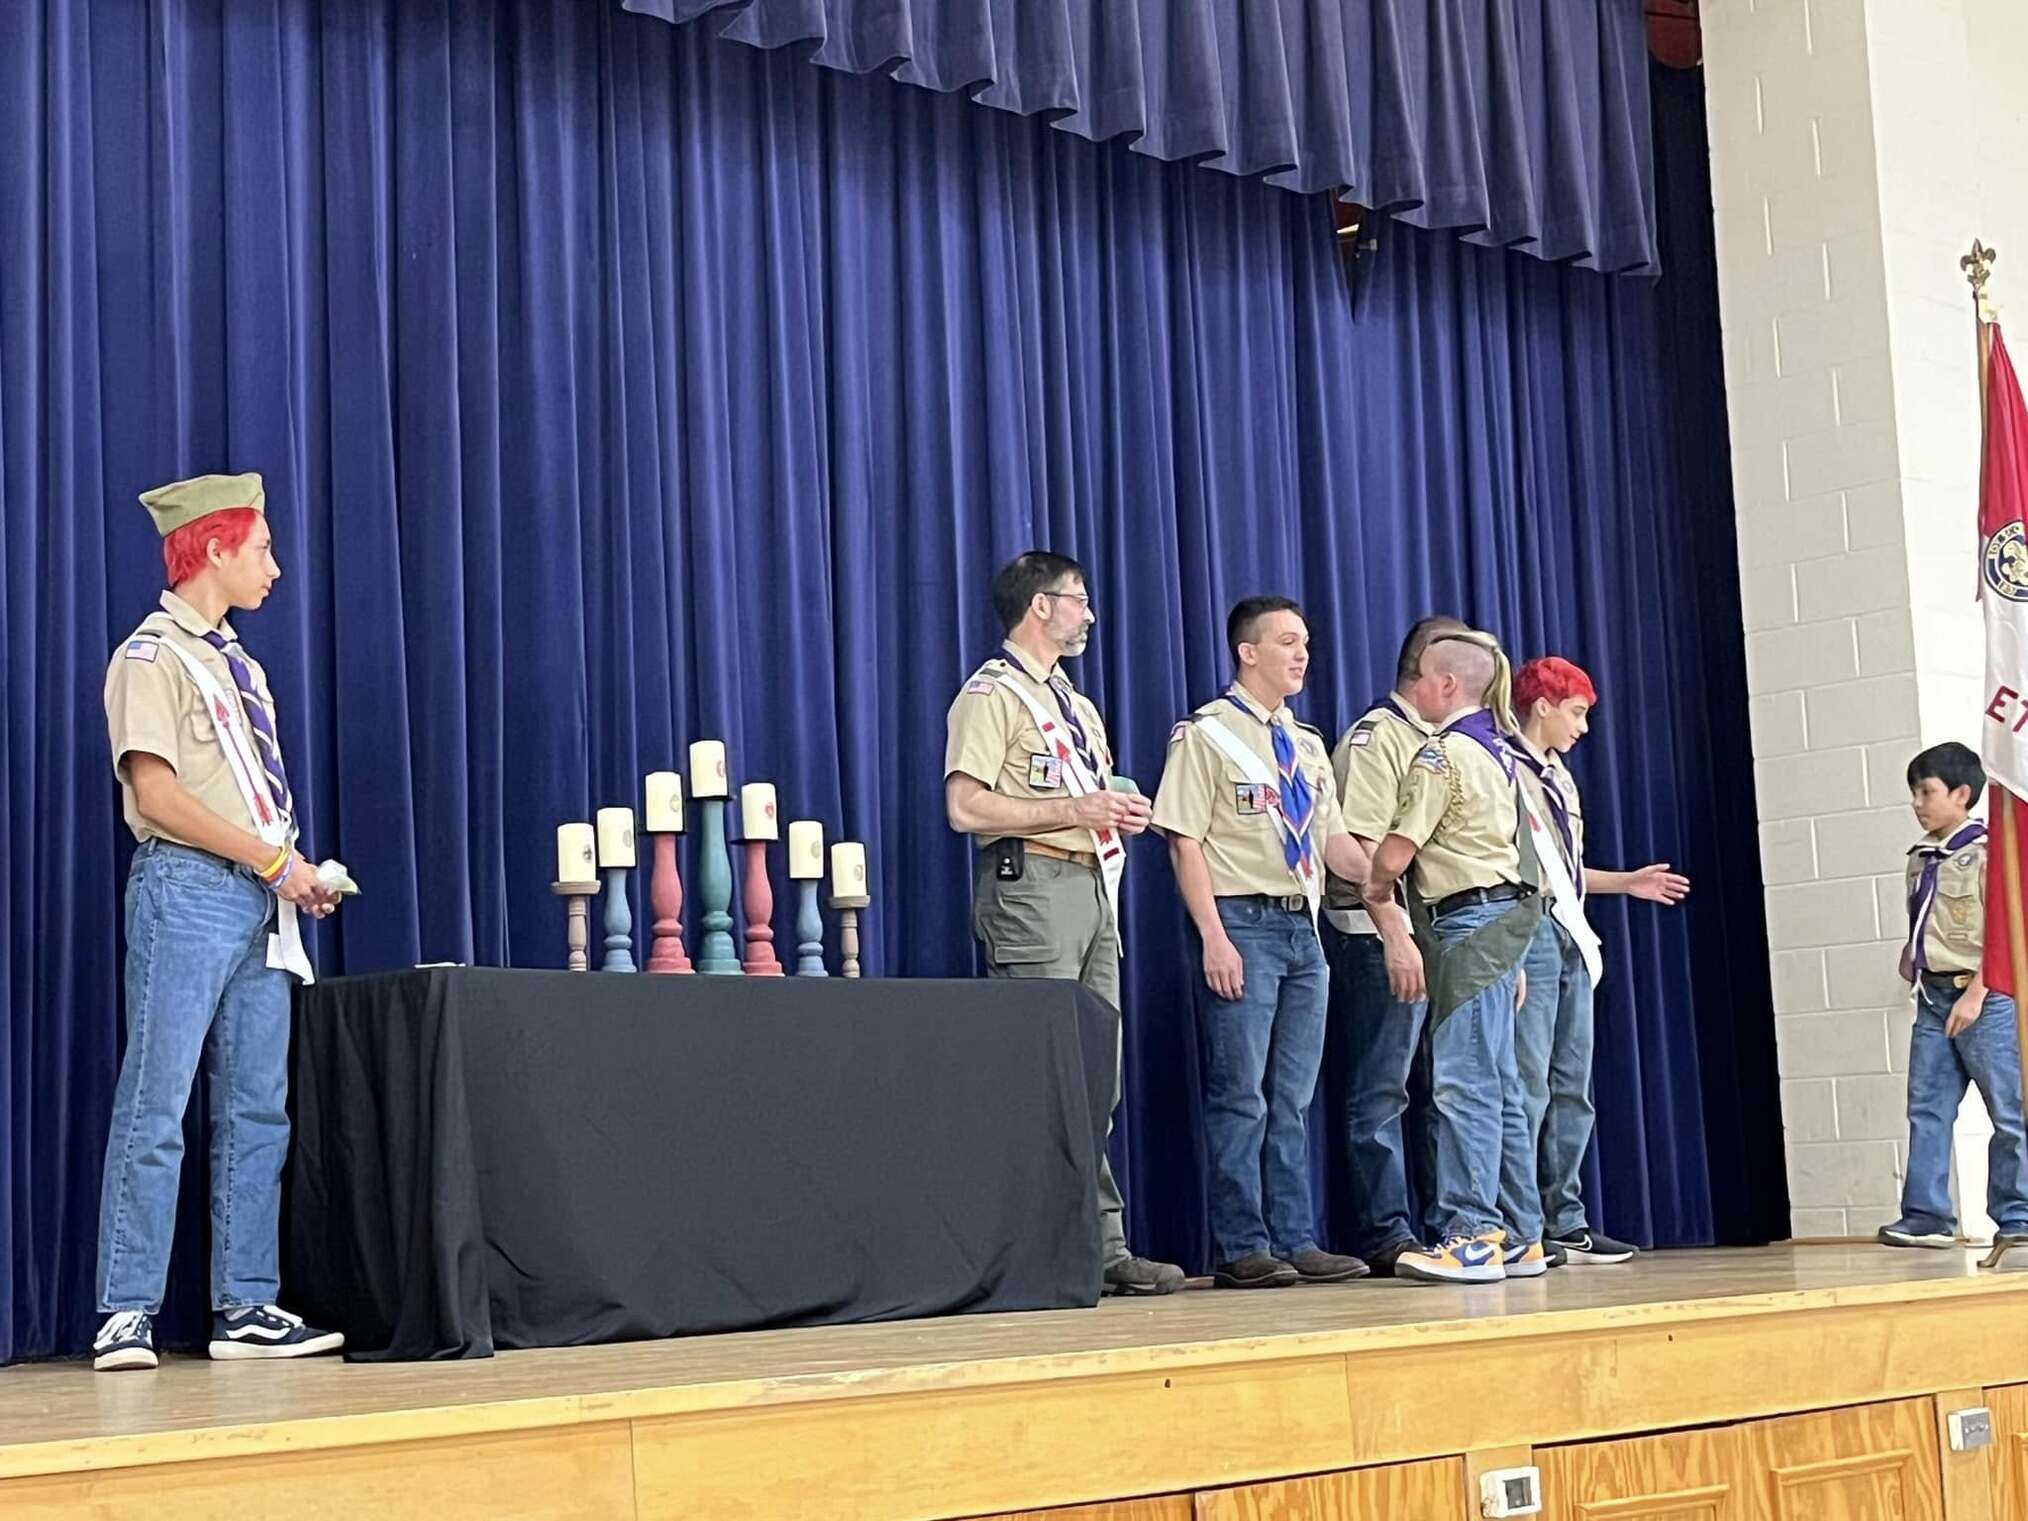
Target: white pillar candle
574,859
664,813
757,812
616,837
707,768
806,850
848,870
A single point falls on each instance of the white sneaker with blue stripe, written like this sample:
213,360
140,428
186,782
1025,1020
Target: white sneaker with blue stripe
267,1330
126,1340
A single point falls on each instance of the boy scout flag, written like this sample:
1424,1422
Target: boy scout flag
2003,741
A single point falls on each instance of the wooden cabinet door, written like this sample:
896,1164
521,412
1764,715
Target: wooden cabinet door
1429,1491
2009,1451
1677,1476
1865,1463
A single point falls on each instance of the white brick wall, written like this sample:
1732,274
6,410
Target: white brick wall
1844,194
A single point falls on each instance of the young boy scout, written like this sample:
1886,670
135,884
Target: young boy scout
1028,773
211,934
1252,817
1459,826
1963,1032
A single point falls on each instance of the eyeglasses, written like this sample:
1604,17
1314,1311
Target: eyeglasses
1083,599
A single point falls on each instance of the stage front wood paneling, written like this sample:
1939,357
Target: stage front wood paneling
1826,1372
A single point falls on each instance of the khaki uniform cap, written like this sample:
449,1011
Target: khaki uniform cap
182,502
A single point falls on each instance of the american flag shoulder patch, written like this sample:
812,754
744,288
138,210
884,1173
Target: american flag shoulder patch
979,687
143,649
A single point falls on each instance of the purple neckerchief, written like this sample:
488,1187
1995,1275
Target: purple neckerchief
1923,898
1479,725
1559,806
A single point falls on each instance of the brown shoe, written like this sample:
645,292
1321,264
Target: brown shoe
1138,1275
1318,1266
1256,1270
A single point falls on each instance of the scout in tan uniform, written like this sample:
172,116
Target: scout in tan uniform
1251,813
1383,1036
211,905
1963,1032
1029,774
1474,898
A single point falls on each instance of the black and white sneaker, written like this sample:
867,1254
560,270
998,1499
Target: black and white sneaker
267,1330
1592,1249
126,1340
1909,1233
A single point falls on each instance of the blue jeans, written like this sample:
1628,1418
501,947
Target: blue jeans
1552,1050
1476,1091
198,989
1383,1038
1987,1053
1261,1054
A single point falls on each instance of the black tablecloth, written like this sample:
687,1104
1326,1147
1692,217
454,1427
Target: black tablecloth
487,1159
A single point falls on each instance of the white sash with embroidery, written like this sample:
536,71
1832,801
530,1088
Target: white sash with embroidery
1078,782
1260,774
1566,904
285,944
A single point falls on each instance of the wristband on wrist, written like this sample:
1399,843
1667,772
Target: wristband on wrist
289,865
272,872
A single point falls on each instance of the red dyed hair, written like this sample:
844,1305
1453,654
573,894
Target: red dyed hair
183,551
1553,679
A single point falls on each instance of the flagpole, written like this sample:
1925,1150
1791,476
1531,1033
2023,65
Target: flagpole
1978,268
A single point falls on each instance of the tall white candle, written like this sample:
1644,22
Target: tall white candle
806,850
757,812
574,859
707,768
848,870
616,837
664,813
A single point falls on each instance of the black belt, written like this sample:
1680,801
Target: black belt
1955,980
1288,903
1471,897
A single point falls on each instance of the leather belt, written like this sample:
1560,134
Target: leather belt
1958,981
1084,858
1288,903
1471,897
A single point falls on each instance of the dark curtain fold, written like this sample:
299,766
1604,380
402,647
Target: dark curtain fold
1516,123
618,386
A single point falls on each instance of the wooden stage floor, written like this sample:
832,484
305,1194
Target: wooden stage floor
972,1415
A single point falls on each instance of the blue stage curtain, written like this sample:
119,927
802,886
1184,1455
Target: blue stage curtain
618,386
1517,123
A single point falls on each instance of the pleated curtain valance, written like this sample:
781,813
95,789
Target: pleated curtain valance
1516,123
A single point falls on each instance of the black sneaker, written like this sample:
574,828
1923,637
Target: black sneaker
1381,1262
1138,1275
1314,1265
1902,1233
126,1340
1256,1270
1593,1249
267,1330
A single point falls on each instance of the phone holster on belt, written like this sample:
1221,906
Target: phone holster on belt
1010,859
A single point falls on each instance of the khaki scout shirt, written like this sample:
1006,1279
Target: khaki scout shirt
1204,797
1955,938
1371,759
154,707
1566,784
1459,809
990,735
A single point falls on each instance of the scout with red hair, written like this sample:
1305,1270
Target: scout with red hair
212,899
1553,700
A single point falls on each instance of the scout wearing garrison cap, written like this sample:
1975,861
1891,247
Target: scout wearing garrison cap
212,938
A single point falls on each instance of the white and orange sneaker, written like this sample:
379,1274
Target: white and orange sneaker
1461,1259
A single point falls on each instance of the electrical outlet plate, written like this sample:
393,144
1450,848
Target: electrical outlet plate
1970,1429
1510,1492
